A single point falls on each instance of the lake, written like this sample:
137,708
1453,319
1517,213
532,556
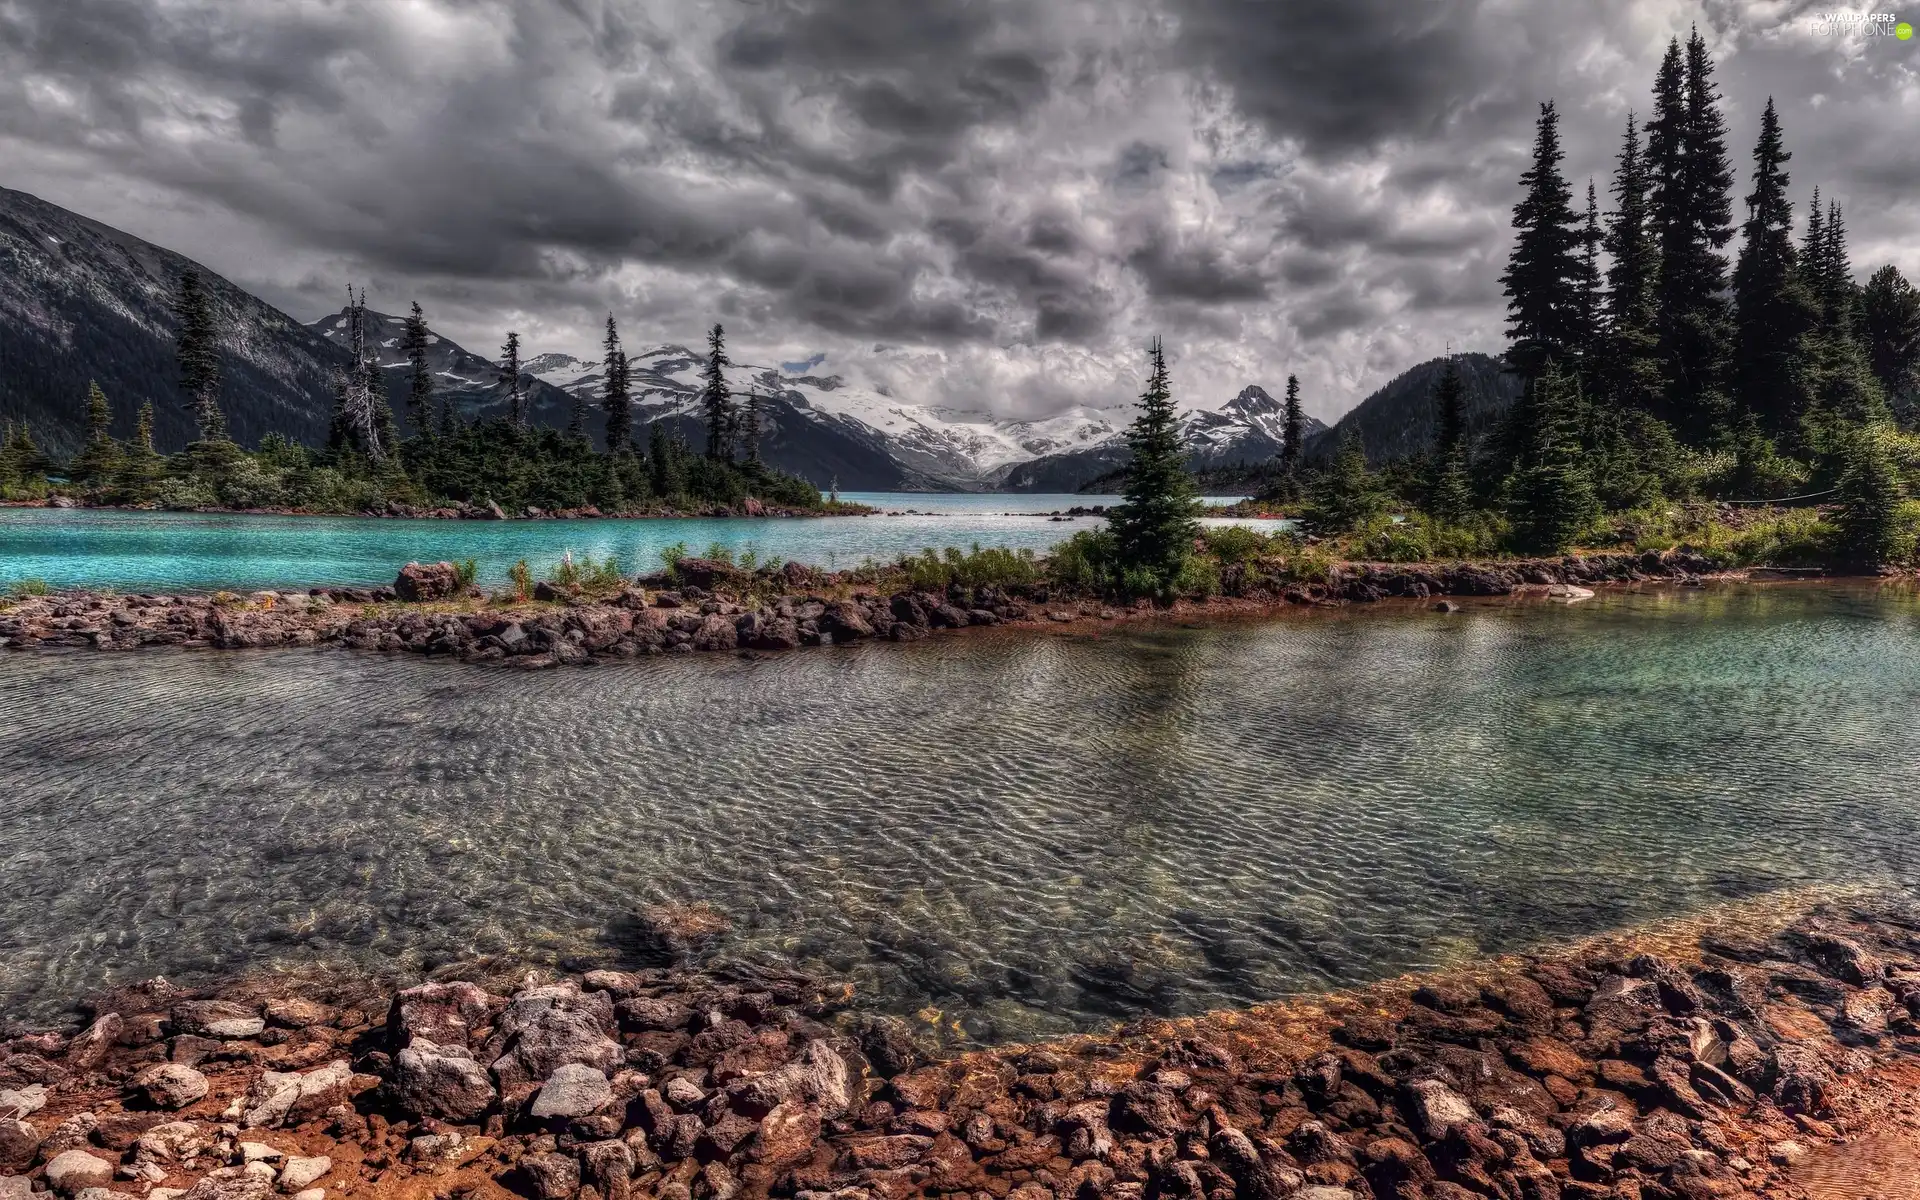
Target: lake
162,551
1030,833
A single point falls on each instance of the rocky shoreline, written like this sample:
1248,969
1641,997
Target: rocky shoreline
489,511
1725,1064
713,607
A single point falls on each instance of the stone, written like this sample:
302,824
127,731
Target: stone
573,1090
18,1103
432,1082
716,633
292,1012
87,1050
230,1187
173,1142
301,1173
311,1194
15,1187
171,1085
19,1143
221,1019
1845,959
608,1166
889,1153
432,581
552,1176
73,1170
820,1075
649,1012
446,1014
845,621
252,1152
1437,1108
787,1134
549,1027
289,1099
682,1093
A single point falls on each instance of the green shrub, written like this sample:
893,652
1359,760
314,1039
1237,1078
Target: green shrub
587,576
522,576
466,571
1199,577
1385,540
672,555
992,566
1087,561
720,554
30,587
1234,545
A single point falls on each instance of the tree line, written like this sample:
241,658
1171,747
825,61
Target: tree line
443,459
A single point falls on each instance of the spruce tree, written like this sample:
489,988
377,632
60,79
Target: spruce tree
1843,379
1869,494
141,465
616,393
1344,496
1695,217
420,378
576,416
1591,298
513,380
718,401
1890,327
99,460
1772,311
1293,431
751,424
1542,280
195,348
1154,525
1632,359
1450,495
1551,498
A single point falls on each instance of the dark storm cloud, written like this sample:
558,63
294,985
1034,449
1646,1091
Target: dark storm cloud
1009,195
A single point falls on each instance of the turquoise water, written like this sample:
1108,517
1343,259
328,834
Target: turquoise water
1031,833
994,503
155,551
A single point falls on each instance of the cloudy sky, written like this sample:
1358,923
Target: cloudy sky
990,204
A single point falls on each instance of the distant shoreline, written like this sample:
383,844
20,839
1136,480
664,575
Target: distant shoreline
403,512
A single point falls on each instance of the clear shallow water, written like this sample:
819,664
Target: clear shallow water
149,551
1032,834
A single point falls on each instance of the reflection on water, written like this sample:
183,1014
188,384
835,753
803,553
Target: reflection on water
1031,833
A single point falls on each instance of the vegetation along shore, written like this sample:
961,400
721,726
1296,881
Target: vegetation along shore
1747,1054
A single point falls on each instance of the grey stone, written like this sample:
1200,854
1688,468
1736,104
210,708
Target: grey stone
288,1099
301,1173
73,1170
573,1090
433,1081
171,1085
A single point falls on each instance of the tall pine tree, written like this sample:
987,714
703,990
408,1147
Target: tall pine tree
1154,525
1591,299
195,348
1772,311
1632,374
1542,280
1449,490
616,395
420,375
1550,497
513,380
99,460
717,399
1890,327
140,465
1293,430
1693,211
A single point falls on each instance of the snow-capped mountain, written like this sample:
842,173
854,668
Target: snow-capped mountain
470,381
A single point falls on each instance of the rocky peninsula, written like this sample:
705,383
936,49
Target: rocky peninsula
707,606
1728,1060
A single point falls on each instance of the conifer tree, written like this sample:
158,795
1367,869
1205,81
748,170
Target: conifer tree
1293,431
1869,494
1695,217
195,348
718,401
1772,311
1550,497
1591,302
1632,363
1843,380
1890,327
420,378
99,460
141,464
1344,496
513,380
1450,489
576,416
1542,280
1154,525
616,393
22,465
751,423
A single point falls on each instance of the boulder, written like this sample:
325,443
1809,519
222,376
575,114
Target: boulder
707,574
551,1176
446,1014
433,1082
845,621
220,1019
278,1098
776,633
231,1187
1435,1108
820,1075
572,1090
87,1050
19,1142
716,633
75,1170
170,1085
787,1135
295,1013
546,1028
301,1173
432,581
173,1142
15,1187
17,1103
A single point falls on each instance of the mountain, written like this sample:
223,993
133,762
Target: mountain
470,381
1250,428
1399,421
82,301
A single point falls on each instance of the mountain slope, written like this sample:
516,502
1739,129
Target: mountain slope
81,301
1399,420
